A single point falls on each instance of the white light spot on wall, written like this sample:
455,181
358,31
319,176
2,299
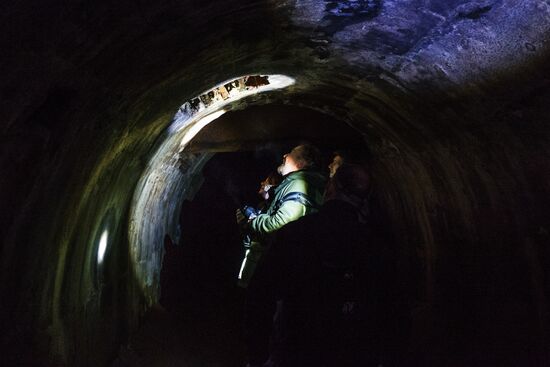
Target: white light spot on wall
198,125
278,81
102,246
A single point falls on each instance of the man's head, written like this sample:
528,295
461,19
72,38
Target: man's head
301,157
337,161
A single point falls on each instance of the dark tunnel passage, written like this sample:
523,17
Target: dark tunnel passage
206,262
108,144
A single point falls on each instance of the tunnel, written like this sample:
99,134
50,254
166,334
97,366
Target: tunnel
122,119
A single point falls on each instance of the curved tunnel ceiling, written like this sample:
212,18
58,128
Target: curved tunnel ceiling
190,141
450,97
253,127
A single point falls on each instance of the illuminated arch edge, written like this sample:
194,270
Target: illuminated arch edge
155,207
208,106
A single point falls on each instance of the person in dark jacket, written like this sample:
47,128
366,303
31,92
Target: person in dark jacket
327,275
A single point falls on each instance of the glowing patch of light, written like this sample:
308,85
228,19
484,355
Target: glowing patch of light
222,97
199,125
278,81
243,264
102,246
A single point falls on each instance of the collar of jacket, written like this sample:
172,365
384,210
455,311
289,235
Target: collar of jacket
315,177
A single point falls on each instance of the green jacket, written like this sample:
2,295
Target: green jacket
300,193
310,184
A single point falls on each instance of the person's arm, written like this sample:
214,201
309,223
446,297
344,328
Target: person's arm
288,212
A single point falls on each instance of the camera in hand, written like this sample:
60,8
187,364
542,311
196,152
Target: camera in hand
250,212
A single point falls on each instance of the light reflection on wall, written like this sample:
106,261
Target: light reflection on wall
199,125
158,196
102,248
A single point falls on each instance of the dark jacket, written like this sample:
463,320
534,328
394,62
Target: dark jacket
326,273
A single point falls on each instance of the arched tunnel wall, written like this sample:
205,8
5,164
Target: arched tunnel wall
450,99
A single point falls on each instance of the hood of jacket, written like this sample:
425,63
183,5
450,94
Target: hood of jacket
315,178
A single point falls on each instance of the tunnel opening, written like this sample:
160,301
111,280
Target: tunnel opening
198,278
203,294
246,146
172,167
199,275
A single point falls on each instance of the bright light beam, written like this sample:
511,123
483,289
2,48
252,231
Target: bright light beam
199,124
102,246
223,94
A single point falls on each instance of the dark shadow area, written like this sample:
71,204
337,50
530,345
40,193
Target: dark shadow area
199,321
199,275
251,128
200,317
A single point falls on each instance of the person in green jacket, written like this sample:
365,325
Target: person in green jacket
300,193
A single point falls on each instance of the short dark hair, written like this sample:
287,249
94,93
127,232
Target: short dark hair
306,156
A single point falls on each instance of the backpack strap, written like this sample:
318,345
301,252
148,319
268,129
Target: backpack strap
297,197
